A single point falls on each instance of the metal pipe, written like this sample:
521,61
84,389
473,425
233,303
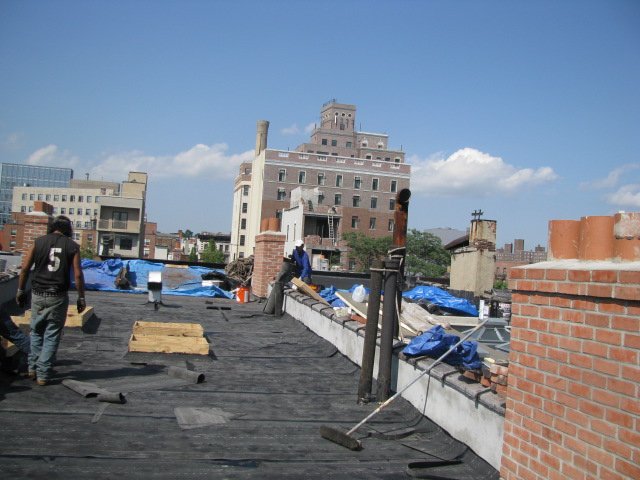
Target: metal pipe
370,334
388,328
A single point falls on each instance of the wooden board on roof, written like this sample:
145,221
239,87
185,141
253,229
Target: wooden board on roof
74,319
303,287
168,344
168,328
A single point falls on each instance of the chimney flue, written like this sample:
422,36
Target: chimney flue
261,136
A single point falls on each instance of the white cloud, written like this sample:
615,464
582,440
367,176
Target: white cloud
625,196
612,179
309,128
292,130
12,141
52,156
204,161
469,171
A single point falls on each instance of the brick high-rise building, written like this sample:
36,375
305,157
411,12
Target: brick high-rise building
343,180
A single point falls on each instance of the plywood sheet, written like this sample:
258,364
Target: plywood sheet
168,344
302,286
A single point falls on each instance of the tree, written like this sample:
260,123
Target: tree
426,255
365,249
211,254
87,252
187,233
193,256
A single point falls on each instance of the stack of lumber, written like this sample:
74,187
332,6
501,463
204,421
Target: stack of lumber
74,319
160,337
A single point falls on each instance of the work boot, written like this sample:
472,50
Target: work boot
42,383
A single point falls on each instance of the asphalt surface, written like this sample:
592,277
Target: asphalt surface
269,385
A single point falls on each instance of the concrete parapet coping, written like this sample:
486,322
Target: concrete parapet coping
468,411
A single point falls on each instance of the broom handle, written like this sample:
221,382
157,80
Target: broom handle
400,392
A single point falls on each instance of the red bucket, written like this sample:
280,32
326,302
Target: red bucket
242,295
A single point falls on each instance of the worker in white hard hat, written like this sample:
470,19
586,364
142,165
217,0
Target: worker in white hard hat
303,266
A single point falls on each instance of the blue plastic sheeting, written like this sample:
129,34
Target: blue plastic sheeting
435,342
442,299
175,280
329,294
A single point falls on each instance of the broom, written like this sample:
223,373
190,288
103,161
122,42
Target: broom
346,440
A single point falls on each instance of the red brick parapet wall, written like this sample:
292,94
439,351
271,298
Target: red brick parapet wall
267,261
573,408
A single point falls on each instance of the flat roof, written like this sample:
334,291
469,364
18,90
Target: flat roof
270,384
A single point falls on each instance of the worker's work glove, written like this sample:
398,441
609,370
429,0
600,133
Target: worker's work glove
21,298
81,304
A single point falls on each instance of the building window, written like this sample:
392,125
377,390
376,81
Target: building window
244,207
64,198
63,211
390,225
321,179
282,194
374,184
14,233
324,141
242,240
243,224
89,198
247,170
282,175
126,243
23,209
334,143
40,197
56,198
302,177
349,144
374,203
337,199
87,224
30,209
71,211
95,212
338,180
32,196
394,186
245,190
47,198
79,211
320,198
387,159
356,200
397,160
356,182
72,198
355,221
89,238
80,198
365,143
24,196
87,211
55,210
279,214
372,223
392,204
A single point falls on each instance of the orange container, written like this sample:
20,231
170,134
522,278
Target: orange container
242,295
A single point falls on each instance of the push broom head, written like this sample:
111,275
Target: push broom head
337,436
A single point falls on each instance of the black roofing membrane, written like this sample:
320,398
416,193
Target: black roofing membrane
270,384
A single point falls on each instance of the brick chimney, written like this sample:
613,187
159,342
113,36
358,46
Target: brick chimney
573,408
35,224
267,259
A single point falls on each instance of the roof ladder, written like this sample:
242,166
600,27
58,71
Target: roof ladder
331,227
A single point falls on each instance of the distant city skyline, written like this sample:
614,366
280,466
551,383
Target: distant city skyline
528,110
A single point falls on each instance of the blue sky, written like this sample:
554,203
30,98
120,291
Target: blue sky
529,111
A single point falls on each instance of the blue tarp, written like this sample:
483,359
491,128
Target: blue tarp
442,299
435,342
329,294
175,280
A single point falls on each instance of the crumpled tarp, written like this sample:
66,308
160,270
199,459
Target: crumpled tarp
329,294
186,281
443,299
435,342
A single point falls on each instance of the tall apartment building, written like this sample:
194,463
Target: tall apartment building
107,215
17,175
514,255
342,180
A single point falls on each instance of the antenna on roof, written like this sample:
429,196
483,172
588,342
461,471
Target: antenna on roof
476,214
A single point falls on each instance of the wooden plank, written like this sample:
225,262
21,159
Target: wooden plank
168,344
358,307
418,318
168,329
308,290
74,319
